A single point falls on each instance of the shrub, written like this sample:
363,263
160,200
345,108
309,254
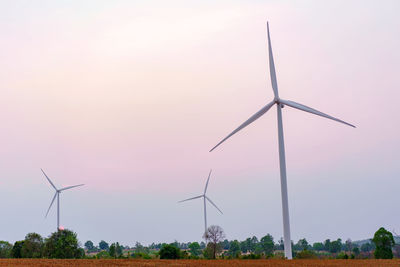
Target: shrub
251,256
342,256
169,252
141,255
103,255
305,254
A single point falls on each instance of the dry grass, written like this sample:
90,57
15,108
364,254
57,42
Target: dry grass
199,263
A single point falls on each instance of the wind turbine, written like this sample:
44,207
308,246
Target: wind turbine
280,103
57,194
204,201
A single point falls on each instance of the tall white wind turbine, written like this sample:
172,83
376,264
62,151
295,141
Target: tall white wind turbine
205,197
57,195
280,103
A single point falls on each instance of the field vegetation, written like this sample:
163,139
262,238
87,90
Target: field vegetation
62,248
196,263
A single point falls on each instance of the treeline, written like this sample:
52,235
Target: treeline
64,244
266,247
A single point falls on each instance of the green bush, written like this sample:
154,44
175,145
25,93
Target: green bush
169,252
103,255
251,256
342,256
141,255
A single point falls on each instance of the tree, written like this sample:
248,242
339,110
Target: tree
335,246
384,243
366,247
112,250
89,245
302,244
234,249
327,245
225,244
244,245
115,250
214,235
33,246
194,249
318,246
16,250
62,244
253,244
280,245
349,245
169,252
103,245
139,247
267,245
118,250
356,250
208,252
5,249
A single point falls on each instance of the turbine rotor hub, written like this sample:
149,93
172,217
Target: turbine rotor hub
278,102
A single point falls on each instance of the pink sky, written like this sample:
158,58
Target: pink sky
128,98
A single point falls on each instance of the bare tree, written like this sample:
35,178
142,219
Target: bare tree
214,235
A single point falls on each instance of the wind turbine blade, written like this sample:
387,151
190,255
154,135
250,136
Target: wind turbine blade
213,204
69,187
205,189
250,120
51,204
190,199
272,66
48,179
311,110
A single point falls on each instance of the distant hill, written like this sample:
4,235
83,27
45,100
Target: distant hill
361,242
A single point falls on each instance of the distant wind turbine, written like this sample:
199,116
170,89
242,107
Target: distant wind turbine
280,103
204,201
57,194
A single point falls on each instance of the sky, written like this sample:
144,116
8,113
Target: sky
128,97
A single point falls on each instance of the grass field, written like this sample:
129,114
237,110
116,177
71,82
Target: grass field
182,263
